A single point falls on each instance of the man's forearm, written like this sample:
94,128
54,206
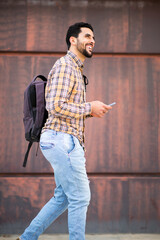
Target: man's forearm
70,110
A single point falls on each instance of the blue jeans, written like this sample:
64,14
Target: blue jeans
72,191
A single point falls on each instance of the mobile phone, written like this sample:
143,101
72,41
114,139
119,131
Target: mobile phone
112,104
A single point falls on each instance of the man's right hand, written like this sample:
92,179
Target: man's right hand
98,109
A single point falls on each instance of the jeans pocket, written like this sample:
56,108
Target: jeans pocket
47,140
69,144
46,145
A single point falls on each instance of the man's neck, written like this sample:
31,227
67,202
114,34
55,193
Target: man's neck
77,53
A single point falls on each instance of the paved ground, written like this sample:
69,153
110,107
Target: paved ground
93,237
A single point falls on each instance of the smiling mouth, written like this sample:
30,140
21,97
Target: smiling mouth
90,47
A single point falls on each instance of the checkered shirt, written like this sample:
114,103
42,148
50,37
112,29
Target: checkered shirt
65,97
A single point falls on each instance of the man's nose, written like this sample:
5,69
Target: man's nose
93,41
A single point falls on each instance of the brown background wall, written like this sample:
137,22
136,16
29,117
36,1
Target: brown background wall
123,148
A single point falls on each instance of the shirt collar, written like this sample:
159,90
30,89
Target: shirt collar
76,59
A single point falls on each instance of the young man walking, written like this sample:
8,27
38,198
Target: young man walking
62,138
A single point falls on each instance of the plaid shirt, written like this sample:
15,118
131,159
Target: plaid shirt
65,97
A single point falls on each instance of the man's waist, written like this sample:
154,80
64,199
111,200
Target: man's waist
77,131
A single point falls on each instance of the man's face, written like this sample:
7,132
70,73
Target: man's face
86,42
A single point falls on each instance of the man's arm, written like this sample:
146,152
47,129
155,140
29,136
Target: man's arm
58,91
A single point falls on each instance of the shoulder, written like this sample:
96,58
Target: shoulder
62,65
65,61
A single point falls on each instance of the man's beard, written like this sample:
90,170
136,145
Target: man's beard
83,50
86,54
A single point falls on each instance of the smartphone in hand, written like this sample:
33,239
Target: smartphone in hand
112,104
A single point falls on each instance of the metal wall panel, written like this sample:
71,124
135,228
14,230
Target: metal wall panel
120,26
117,204
125,140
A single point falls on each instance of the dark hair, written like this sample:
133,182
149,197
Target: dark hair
74,31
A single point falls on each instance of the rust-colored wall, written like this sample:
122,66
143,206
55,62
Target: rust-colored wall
123,148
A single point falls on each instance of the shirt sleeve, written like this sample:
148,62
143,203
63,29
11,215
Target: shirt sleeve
58,90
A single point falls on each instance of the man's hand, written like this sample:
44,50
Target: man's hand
98,109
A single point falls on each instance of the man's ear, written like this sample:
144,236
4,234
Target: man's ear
73,40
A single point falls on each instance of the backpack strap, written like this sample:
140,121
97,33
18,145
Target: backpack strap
85,81
40,103
26,155
41,77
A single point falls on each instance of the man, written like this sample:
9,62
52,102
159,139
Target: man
62,138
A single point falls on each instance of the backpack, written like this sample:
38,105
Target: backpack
35,113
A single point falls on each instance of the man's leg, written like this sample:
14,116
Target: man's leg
57,204
71,172
53,208
78,198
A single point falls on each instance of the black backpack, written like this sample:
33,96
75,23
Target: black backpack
35,113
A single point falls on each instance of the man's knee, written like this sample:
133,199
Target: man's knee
85,198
